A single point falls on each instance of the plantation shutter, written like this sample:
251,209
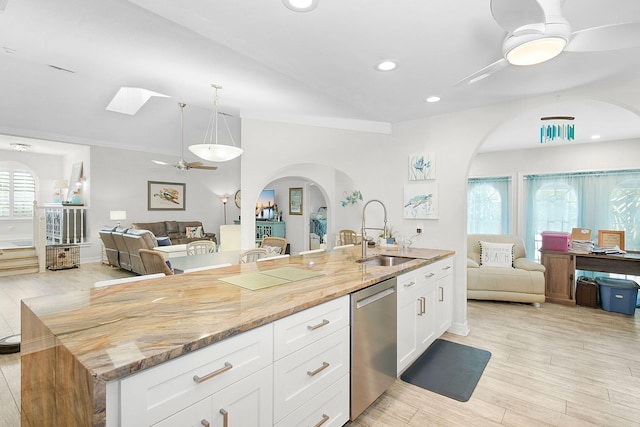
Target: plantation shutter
24,193
5,193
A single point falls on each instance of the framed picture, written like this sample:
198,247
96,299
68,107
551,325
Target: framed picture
165,196
295,201
421,201
610,238
422,166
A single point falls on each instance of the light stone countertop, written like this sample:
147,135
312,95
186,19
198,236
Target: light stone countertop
117,330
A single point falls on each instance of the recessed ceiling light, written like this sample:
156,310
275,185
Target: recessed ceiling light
301,5
433,99
20,147
386,65
595,136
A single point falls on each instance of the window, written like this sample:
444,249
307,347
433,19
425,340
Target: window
488,205
594,200
17,193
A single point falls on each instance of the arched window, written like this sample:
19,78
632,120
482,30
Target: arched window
17,193
488,206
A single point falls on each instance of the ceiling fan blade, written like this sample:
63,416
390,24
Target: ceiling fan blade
194,164
513,14
210,168
159,162
484,73
606,37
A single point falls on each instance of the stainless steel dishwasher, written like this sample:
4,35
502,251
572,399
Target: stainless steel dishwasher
373,343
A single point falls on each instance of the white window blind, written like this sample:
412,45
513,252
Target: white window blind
17,193
5,194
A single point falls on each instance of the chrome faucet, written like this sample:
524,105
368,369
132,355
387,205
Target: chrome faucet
365,240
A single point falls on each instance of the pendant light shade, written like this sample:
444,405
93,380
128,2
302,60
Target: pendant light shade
213,151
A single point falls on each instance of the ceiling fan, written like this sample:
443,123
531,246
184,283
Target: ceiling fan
537,32
182,164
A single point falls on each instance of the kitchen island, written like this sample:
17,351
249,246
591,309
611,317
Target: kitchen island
75,344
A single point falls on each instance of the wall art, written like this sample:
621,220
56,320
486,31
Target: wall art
421,201
165,196
422,166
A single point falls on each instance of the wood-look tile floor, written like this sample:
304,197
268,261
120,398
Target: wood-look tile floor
553,365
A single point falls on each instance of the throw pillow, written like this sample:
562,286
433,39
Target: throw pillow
194,232
164,241
496,254
272,250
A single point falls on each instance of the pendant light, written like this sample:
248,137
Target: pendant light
213,151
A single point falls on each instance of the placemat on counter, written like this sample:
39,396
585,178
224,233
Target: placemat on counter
254,281
292,273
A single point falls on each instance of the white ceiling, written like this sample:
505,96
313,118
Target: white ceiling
277,64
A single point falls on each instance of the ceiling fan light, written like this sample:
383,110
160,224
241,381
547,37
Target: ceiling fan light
216,152
534,51
301,5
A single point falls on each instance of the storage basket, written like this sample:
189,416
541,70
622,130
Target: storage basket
60,257
618,295
586,292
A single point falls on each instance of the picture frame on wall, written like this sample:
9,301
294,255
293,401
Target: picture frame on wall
421,201
295,201
166,196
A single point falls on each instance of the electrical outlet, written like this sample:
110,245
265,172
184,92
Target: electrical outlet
419,229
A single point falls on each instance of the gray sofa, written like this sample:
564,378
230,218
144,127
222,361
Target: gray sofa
175,230
524,282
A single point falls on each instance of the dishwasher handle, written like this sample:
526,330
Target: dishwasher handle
375,297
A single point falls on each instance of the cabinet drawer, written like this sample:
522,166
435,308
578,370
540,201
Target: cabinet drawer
298,330
331,407
155,393
247,402
408,283
305,373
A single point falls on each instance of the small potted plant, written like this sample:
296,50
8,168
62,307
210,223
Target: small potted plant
388,239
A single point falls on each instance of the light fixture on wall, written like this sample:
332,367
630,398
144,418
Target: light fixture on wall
557,127
213,151
117,216
60,185
225,199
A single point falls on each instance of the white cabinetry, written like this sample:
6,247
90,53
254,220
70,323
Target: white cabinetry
424,309
311,370
185,386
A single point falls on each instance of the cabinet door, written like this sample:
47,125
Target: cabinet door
444,304
247,402
558,276
426,328
407,332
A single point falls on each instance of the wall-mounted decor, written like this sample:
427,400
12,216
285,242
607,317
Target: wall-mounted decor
422,166
421,201
295,201
611,238
352,199
165,196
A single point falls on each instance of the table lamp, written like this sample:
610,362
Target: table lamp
117,216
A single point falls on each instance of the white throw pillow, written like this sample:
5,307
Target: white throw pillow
194,232
496,254
272,250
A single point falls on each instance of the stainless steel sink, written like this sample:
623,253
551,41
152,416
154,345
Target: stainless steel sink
385,260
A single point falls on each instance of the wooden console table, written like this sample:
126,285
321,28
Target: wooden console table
561,271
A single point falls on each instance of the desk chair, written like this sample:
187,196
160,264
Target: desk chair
201,247
252,255
154,262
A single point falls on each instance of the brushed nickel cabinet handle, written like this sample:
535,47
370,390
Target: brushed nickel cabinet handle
446,267
411,283
324,366
430,274
226,367
441,289
420,307
205,423
324,322
225,418
424,305
325,418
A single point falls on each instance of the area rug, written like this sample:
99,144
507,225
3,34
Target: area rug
449,369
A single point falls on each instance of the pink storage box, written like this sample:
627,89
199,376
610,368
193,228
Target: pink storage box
555,241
